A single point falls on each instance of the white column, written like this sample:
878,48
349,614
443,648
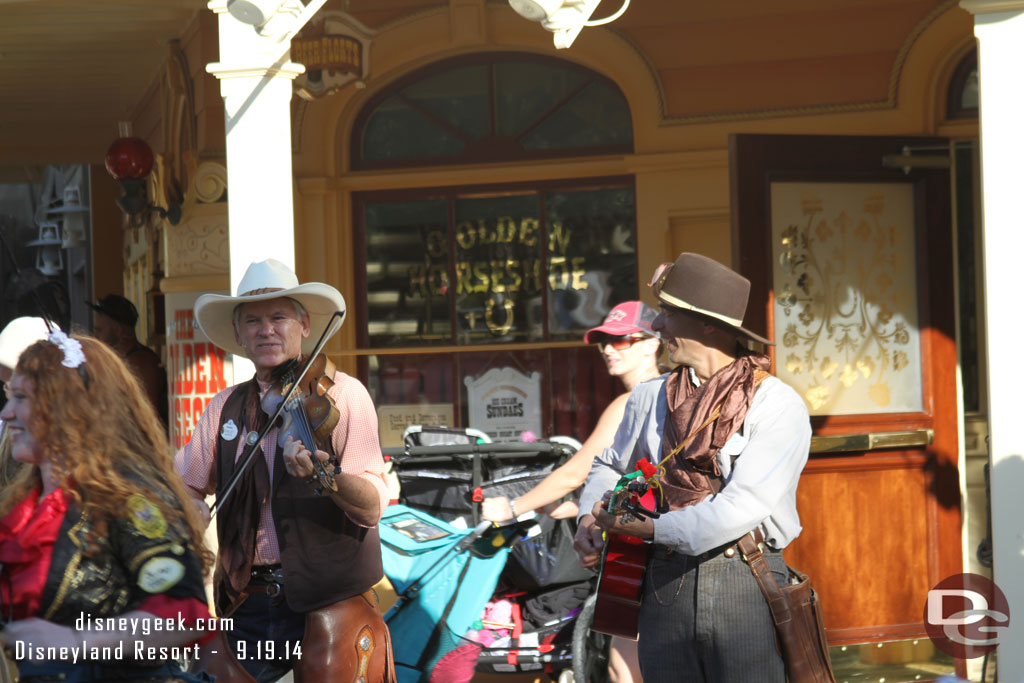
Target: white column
999,27
256,75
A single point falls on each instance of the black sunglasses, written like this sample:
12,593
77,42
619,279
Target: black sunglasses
618,343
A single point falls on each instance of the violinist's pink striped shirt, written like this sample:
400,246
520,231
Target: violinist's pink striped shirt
355,440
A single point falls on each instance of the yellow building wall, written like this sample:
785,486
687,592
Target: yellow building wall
680,164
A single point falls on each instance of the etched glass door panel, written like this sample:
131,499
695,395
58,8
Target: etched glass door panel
846,307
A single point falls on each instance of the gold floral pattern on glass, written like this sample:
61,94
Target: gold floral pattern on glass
846,320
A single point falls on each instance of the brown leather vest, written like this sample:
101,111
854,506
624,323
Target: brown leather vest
326,557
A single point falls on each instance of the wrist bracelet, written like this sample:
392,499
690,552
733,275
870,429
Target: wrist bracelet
512,507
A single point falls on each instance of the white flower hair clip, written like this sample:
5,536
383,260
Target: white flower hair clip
72,348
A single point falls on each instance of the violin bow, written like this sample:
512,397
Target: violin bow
254,439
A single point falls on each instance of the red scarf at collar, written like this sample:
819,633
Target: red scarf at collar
27,536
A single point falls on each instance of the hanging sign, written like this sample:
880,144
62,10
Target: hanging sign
392,420
505,403
335,52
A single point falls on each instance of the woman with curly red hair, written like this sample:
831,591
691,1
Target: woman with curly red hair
101,555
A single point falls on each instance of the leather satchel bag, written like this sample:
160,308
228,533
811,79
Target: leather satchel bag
796,611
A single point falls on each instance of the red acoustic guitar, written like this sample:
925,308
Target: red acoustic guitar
624,560
620,587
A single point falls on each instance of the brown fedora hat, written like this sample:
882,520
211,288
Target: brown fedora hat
704,286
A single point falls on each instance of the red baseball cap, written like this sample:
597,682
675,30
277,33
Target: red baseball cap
629,317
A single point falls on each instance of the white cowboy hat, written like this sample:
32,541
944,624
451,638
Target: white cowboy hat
270,279
20,334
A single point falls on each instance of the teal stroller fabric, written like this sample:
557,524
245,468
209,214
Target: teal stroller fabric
443,576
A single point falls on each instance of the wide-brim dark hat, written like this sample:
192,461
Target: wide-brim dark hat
704,286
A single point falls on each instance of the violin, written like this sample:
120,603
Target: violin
309,416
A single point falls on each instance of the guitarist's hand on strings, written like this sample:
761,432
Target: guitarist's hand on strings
621,523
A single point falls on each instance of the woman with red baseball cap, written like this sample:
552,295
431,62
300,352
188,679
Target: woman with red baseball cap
630,348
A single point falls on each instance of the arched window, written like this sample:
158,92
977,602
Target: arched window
492,107
467,287
962,96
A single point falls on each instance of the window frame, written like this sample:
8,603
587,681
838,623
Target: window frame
494,151
957,82
450,194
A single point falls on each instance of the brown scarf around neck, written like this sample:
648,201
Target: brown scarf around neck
239,516
688,474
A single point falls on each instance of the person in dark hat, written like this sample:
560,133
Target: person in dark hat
733,441
113,322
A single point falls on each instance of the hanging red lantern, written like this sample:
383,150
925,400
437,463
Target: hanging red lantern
129,159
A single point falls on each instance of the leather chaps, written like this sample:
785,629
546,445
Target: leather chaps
347,641
343,642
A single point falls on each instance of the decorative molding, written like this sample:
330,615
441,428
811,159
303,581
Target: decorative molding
209,182
501,172
908,43
991,6
224,71
412,16
468,22
652,71
199,245
178,118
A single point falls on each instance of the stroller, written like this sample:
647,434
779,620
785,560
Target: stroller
525,571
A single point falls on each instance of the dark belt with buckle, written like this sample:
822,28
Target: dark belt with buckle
732,549
728,550
267,579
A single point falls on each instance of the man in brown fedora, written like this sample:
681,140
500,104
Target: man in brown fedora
703,616
295,568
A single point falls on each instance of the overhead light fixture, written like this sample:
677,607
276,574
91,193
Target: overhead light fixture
129,161
275,19
564,18
256,12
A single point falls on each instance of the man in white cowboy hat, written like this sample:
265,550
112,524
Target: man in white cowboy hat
733,441
16,336
294,567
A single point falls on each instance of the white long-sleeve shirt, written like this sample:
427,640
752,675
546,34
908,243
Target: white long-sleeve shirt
760,488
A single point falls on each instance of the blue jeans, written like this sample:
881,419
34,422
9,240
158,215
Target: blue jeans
260,620
705,620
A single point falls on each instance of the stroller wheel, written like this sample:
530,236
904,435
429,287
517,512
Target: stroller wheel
589,648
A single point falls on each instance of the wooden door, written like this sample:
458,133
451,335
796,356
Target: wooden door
855,263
